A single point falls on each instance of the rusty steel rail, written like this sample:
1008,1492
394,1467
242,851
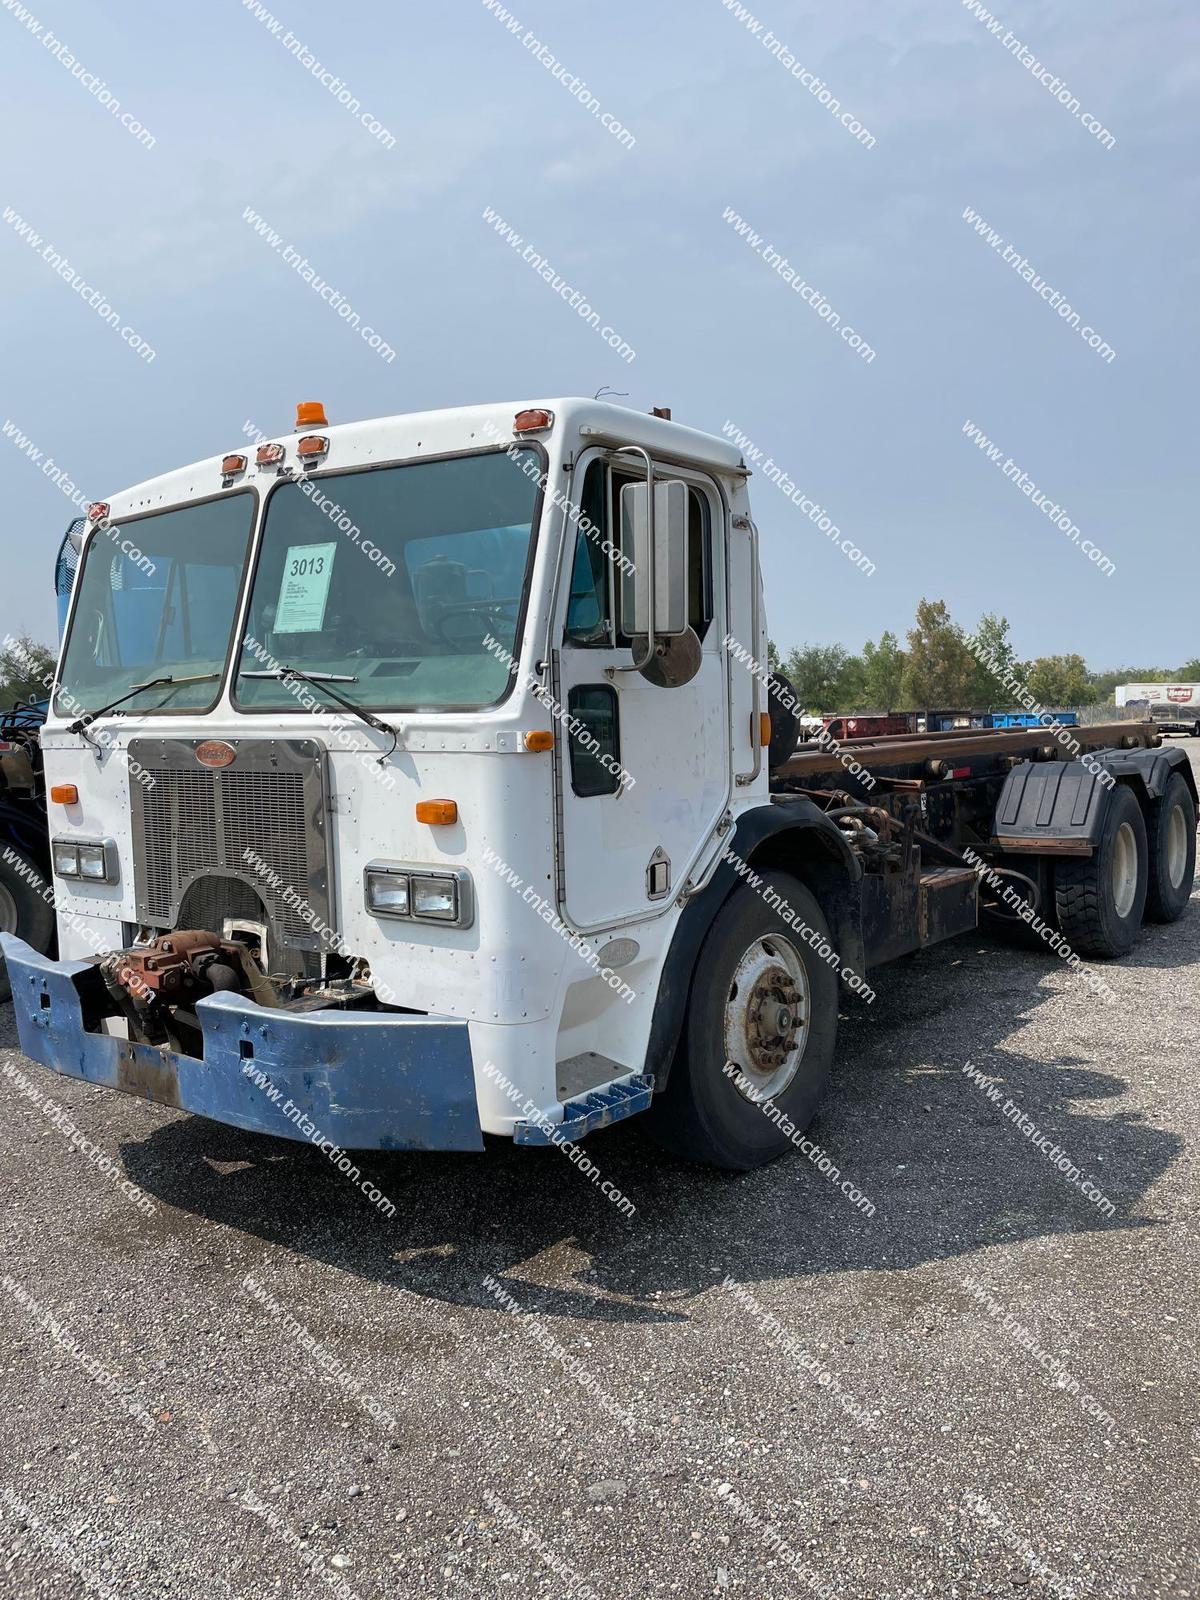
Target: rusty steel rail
903,749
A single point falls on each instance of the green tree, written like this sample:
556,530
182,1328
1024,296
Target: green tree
1061,681
882,673
939,670
26,669
1189,672
817,672
992,687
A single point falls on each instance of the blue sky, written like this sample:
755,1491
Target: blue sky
719,122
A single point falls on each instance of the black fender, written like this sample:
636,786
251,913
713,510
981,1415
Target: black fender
1060,807
794,835
1148,772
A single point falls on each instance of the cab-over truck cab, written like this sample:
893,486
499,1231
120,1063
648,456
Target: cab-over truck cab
409,782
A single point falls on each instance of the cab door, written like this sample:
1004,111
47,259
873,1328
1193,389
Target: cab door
644,771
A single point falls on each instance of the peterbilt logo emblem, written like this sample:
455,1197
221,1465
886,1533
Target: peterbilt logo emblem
213,753
1180,696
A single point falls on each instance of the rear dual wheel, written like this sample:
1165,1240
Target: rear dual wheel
1171,846
1100,900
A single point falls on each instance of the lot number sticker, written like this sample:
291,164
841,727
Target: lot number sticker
304,588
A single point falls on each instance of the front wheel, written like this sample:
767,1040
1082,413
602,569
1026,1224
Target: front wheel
759,1034
1100,901
23,911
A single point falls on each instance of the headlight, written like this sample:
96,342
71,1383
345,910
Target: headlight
419,894
66,860
92,859
435,897
387,893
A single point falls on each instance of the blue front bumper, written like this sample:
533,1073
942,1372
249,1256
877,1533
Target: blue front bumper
363,1081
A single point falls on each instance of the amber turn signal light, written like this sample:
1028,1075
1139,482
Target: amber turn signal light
440,813
764,727
539,739
64,794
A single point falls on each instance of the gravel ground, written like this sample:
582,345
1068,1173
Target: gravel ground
637,1427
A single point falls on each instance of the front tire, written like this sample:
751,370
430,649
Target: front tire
764,1003
23,912
1171,842
1100,900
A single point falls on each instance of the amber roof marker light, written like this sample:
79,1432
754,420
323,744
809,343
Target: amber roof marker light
532,421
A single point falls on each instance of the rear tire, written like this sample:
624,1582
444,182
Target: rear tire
23,912
1100,901
762,998
1171,843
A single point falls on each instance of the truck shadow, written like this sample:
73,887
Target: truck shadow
945,1170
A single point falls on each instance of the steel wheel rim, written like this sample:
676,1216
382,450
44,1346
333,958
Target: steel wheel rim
1177,843
1124,869
8,910
768,1013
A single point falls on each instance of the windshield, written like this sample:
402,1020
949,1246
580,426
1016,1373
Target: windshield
405,585
156,598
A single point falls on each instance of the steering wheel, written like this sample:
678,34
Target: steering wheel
468,608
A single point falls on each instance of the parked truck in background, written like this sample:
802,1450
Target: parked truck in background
1172,707
435,799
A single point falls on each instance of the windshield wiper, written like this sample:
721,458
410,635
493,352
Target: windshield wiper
322,680
86,721
312,677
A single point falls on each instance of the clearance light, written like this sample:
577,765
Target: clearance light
310,414
98,511
64,794
764,727
532,421
231,465
540,739
269,455
312,445
439,813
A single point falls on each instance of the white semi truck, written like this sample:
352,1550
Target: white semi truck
414,780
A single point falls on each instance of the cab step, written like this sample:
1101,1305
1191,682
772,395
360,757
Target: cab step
613,1103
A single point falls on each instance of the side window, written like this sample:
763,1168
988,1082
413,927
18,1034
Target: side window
588,620
595,739
700,584
589,608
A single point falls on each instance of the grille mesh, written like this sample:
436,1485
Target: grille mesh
197,822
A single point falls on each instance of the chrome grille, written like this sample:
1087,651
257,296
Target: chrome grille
196,823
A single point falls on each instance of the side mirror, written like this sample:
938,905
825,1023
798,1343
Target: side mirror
667,597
